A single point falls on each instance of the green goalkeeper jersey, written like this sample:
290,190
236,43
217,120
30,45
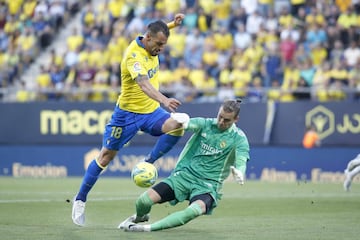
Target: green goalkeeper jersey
209,153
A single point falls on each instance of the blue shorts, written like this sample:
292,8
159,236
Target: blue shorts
124,125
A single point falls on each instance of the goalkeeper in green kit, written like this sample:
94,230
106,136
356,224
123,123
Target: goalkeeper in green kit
216,149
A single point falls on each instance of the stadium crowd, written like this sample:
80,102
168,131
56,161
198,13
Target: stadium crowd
255,50
26,28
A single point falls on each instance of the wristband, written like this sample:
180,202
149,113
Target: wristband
171,25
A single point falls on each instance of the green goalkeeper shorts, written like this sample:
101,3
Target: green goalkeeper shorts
186,186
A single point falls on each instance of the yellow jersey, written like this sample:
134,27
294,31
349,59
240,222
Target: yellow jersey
137,61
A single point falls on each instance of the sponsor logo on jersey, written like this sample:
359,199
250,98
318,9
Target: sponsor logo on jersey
137,67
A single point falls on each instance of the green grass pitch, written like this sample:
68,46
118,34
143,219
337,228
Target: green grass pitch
38,209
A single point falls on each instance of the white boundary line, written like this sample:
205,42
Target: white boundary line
64,200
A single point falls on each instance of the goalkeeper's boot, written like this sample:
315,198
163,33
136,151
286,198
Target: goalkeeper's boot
133,227
78,212
134,219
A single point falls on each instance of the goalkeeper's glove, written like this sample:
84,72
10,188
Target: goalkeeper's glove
237,174
181,118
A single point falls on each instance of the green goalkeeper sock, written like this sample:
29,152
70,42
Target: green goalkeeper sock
143,204
178,218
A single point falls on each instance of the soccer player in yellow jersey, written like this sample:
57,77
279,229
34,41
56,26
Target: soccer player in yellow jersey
138,108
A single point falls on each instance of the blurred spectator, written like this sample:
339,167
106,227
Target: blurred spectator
12,26
14,7
207,88
203,22
176,44
344,22
343,4
197,76
194,40
165,77
290,32
226,91
28,8
250,6
44,84
352,54
241,77
43,30
265,7
271,21
57,76
271,66
274,92
321,82
100,86
315,18
331,13
88,19
239,17
85,75
256,92
209,57
242,39
224,75
287,49
27,46
2,19
190,21
221,14
253,55
136,25
339,73
57,14
71,57
336,91
12,65
253,22
336,54
285,18
75,40
290,82
301,54
301,91
295,5
42,8
184,90
105,34
4,41
318,54
116,8
182,71
223,39
23,94
315,35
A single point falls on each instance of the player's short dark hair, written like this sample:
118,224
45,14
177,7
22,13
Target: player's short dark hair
158,26
232,105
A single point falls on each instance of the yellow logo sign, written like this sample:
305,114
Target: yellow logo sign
325,123
323,119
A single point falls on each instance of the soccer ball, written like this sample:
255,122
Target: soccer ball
144,174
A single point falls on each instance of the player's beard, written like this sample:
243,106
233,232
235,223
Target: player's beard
155,52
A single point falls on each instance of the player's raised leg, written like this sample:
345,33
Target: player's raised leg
173,129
